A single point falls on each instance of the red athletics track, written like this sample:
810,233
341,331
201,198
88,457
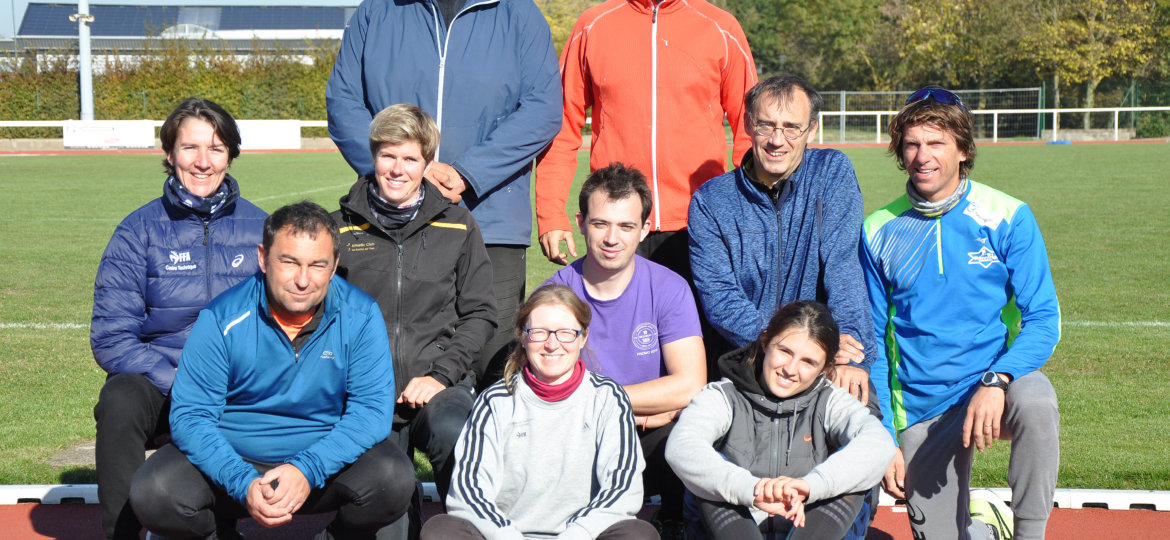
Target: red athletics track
82,522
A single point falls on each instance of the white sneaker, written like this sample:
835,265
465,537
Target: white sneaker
989,509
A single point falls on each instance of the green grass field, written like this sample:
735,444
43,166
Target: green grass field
1102,208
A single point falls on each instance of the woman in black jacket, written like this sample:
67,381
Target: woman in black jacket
423,259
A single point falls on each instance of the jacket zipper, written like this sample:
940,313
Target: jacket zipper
398,315
207,258
443,60
775,465
938,242
788,447
654,114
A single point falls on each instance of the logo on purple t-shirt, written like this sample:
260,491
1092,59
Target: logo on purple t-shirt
646,336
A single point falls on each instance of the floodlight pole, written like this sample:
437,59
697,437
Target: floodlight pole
84,61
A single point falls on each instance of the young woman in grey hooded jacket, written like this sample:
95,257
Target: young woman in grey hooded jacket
774,445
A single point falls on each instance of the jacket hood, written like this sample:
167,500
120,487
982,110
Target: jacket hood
356,202
734,366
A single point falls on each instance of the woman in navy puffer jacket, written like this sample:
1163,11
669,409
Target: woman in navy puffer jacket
165,261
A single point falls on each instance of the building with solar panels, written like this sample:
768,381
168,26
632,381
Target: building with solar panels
123,30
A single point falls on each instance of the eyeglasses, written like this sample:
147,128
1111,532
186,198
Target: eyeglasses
791,133
540,335
941,95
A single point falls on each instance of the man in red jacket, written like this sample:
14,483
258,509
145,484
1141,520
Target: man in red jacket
660,75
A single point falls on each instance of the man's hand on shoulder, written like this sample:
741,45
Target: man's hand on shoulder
550,244
848,374
420,390
450,183
850,350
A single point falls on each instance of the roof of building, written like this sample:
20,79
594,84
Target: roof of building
52,20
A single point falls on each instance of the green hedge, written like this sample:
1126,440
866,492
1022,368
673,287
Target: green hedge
269,84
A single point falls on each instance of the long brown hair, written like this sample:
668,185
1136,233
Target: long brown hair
558,295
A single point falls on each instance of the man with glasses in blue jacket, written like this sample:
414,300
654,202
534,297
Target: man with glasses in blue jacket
782,227
964,304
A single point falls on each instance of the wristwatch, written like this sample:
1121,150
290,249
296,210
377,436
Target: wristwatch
992,378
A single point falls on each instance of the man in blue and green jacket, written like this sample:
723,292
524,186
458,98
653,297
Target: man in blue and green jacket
964,304
282,402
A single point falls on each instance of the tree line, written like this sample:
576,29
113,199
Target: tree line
1075,47
968,44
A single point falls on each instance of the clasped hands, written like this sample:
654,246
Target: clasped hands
274,498
782,496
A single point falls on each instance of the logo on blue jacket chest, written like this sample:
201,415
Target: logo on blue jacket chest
984,257
180,260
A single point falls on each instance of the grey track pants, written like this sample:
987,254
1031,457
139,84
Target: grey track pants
938,468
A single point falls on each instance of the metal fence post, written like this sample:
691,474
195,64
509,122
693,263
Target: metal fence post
841,122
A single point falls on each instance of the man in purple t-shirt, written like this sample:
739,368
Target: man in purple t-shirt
645,331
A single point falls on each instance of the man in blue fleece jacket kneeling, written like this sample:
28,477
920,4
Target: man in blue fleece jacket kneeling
282,402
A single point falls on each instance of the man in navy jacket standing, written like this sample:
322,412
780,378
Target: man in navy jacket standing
486,71
282,402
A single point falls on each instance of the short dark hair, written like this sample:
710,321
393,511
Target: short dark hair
617,181
953,118
304,217
780,87
808,315
206,110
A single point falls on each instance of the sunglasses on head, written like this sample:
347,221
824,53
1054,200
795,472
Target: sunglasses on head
941,95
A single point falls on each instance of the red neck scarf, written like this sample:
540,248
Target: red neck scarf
553,393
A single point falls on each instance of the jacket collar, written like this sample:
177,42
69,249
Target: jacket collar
752,189
331,305
664,6
356,202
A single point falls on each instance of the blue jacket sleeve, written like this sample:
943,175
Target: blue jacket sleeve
724,303
879,303
345,96
524,133
119,310
840,233
1030,277
369,405
197,402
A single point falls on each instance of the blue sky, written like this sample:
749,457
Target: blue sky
12,11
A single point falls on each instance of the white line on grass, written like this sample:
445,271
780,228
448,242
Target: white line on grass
283,195
42,326
1120,324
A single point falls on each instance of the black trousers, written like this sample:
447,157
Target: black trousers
172,498
130,413
509,271
670,249
435,428
658,477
